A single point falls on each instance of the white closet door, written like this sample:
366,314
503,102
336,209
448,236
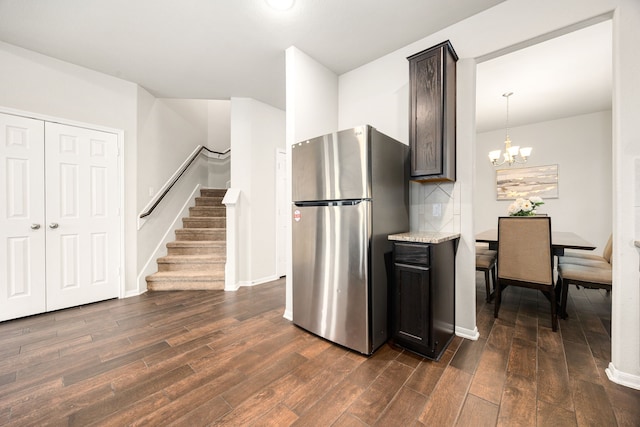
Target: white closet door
82,215
22,230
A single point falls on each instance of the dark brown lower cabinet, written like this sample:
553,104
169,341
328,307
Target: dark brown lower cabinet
423,297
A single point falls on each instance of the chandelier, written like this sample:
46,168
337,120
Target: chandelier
512,154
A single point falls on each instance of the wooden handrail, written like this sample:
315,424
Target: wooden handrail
182,171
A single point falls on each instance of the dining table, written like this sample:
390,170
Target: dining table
560,240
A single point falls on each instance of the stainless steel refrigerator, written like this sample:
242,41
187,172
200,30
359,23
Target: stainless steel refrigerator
349,193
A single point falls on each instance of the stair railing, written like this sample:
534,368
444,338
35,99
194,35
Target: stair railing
156,201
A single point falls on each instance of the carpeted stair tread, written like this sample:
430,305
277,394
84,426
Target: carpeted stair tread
185,280
186,275
213,192
197,247
207,212
209,201
184,259
204,222
196,243
197,233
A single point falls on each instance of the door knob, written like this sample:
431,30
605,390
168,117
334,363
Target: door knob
53,225
35,226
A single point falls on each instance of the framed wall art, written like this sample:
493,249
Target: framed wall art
541,181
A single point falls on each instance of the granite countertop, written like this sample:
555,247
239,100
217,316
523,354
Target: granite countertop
424,237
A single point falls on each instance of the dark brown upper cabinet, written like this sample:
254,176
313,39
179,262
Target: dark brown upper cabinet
432,119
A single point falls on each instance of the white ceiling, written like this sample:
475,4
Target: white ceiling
216,49
561,77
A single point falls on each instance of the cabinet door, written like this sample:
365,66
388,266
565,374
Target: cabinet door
432,119
411,323
22,229
426,124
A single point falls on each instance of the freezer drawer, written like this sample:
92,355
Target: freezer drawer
330,272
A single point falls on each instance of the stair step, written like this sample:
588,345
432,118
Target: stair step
207,212
185,280
196,247
213,192
217,234
204,263
209,201
204,222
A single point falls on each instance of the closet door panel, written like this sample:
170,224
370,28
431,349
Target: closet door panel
22,232
82,216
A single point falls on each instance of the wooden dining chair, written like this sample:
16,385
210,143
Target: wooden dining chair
525,258
486,263
589,259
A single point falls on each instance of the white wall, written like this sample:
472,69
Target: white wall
312,97
384,81
312,110
581,147
36,83
257,130
625,341
372,92
219,135
168,132
219,139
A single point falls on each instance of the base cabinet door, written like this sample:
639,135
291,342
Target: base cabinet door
412,306
423,297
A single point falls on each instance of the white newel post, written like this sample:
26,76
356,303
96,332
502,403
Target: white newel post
230,200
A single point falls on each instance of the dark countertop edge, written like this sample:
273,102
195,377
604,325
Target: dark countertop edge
424,237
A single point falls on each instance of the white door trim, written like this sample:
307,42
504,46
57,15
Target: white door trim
120,134
282,212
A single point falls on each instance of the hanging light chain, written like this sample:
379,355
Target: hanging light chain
507,95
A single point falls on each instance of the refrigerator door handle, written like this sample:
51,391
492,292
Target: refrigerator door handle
353,202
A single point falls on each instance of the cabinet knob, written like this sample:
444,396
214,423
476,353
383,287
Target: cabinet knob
35,226
53,225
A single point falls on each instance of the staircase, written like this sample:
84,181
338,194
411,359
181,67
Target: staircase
196,259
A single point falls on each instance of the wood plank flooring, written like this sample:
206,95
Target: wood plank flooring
200,358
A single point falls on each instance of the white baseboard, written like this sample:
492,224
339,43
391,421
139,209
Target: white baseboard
232,288
470,334
252,282
134,293
288,314
622,378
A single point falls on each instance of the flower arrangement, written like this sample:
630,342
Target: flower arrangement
525,207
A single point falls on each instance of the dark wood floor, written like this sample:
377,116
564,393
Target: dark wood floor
213,358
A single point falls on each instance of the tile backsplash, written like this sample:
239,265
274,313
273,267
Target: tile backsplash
434,207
